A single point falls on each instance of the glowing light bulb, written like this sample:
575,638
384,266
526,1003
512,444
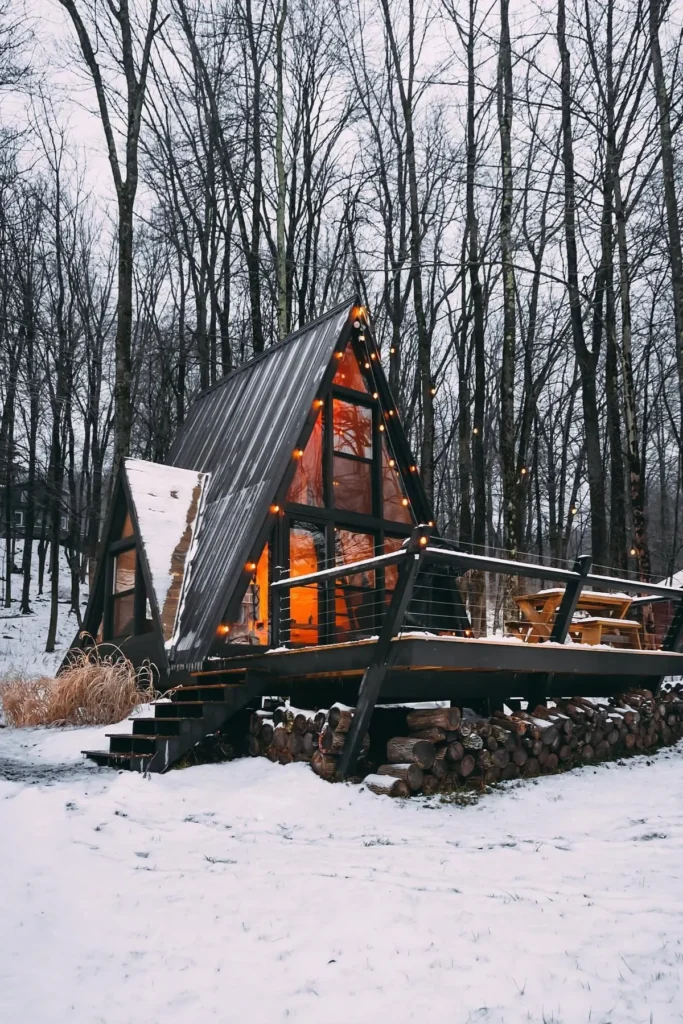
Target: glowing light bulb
250,566
392,463
404,502
275,509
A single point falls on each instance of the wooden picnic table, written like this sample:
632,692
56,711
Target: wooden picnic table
538,610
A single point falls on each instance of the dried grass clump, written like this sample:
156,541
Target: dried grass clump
93,690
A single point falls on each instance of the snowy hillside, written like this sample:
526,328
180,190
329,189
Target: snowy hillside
252,892
23,637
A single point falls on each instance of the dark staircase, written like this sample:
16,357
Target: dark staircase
192,713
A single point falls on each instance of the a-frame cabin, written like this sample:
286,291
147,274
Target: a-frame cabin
292,466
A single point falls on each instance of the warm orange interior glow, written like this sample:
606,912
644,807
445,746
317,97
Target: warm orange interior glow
352,429
394,498
253,622
306,554
348,373
307,486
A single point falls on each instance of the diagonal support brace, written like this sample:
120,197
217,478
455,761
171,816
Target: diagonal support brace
570,599
375,673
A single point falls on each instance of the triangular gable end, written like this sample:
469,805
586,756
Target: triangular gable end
359,404
243,431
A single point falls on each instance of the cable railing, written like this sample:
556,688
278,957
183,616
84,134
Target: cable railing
461,594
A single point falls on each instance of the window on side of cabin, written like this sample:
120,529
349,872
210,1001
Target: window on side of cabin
123,593
252,625
127,610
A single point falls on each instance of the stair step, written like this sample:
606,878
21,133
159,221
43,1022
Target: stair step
180,709
162,726
213,692
106,759
133,742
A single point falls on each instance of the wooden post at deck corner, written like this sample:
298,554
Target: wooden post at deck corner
374,675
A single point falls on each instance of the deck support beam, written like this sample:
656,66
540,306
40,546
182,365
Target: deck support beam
375,673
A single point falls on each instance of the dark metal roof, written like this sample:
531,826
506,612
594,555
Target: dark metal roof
242,431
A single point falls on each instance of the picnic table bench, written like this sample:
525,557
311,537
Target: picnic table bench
605,621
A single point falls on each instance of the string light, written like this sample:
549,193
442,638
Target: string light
361,336
250,566
431,523
275,509
573,510
633,551
432,391
373,355
392,463
381,428
338,355
523,471
413,469
375,395
404,502
468,632
223,629
392,350
424,541
476,430
297,453
366,365
318,404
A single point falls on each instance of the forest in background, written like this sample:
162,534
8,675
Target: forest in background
500,186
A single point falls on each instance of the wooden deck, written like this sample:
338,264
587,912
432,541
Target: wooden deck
425,667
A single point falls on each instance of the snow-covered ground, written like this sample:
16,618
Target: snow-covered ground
23,637
252,892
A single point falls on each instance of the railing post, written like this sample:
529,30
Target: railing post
570,599
374,675
538,693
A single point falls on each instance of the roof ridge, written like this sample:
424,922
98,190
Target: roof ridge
273,348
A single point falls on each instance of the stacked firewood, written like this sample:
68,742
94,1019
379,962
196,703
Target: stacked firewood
433,750
285,734
442,749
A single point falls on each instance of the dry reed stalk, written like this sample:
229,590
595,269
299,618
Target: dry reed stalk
92,690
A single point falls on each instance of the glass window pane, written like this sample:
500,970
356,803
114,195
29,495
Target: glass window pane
306,554
395,502
352,429
124,615
307,486
349,373
124,571
252,625
354,595
352,485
